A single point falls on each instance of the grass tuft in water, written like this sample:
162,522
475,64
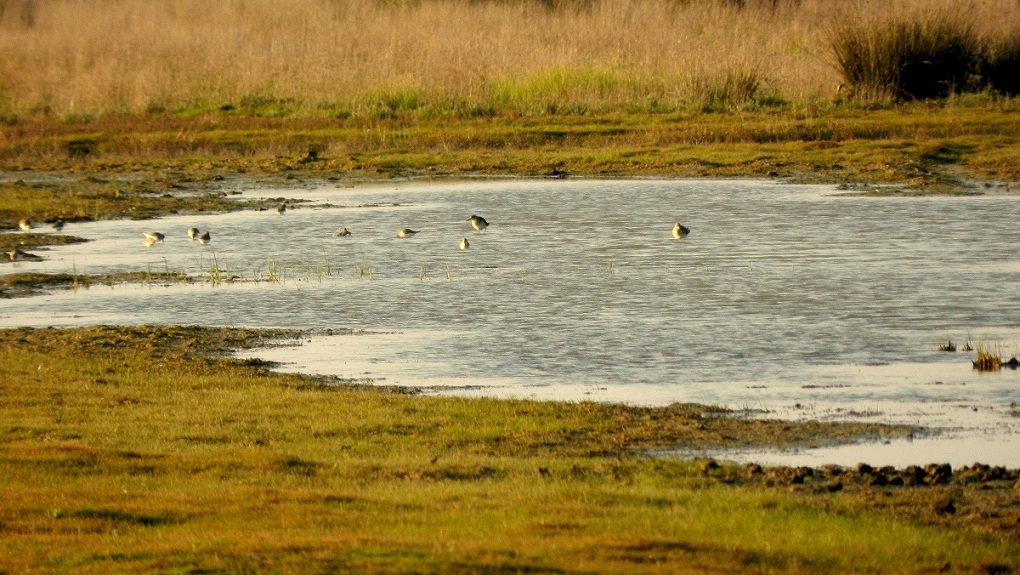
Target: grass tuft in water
987,359
216,273
364,270
274,273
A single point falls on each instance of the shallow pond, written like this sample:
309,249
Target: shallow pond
798,301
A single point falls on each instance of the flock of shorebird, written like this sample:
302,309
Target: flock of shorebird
152,238
477,222
26,226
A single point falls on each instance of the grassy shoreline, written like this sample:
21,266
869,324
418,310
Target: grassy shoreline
917,145
142,166
141,449
144,449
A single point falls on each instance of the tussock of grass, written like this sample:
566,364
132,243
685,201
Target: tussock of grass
142,449
1000,70
947,345
989,359
912,57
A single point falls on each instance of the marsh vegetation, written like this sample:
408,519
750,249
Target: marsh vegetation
458,58
145,449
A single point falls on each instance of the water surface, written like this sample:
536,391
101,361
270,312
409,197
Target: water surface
797,301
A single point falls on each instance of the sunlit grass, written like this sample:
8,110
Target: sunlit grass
137,449
451,59
990,357
78,199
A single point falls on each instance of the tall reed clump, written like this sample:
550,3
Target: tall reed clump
908,57
1002,69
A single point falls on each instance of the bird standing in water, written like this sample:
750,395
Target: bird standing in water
478,223
58,225
25,225
464,244
204,238
342,233
154,236
406,233
280,209
680,231
192,233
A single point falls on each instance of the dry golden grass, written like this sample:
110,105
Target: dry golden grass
87,57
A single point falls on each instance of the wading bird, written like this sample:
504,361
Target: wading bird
192,233
406,233
204,238
342,233
24,225
680,231
478,223
154,236
58,225
464,244
281,208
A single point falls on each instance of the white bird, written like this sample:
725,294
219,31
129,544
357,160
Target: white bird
192,233
464,244
204,238
406,233
25,225
680,231
154,236
478,222
58,225
342,233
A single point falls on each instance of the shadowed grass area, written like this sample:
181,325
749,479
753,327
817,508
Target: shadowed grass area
143,449
909,57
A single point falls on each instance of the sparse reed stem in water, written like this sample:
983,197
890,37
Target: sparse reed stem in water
364,270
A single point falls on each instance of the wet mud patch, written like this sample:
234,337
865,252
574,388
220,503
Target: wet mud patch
30,284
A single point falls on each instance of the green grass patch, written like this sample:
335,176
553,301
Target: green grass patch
145,449
147,162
